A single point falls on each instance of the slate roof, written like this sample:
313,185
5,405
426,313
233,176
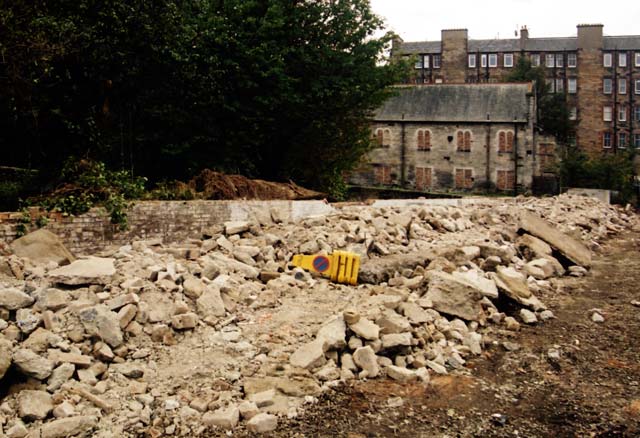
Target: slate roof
457,103
631,42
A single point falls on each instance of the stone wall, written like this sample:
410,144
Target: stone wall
170,221
438,163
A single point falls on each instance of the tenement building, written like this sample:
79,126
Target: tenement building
456,137
599,75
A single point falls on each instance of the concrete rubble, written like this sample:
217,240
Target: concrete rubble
221,333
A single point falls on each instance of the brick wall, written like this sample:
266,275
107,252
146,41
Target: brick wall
171,221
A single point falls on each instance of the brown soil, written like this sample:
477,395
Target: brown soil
215,185
593,390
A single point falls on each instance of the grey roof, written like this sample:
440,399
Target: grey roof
631,42
509,45
457,103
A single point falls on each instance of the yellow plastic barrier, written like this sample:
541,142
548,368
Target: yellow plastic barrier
340,266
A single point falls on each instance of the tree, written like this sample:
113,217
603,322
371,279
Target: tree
553,113
276,89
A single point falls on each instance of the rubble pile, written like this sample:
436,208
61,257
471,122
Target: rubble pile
220,333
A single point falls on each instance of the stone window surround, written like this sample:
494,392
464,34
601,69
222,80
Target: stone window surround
572,85
606,139
472,60
607,85
622,140
572,60
607,59
607,113
509,57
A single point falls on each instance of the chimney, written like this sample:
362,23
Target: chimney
590,36
524,36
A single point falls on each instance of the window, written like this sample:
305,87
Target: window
607,86
383,137
572,60
606,139
606,113
423,178
559,85
426,61
607,60
550,60
559,60
572,85
464,178
508,60
505,180
483,60
622,86
622,114
382,174
423,142
637,63
636,114
463,140
573,113
436,61
622,140
505,141
493,60
535,60
419,64
636,141
472,61
622,59
637,86
550,85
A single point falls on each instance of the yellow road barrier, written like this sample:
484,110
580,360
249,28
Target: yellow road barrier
340,266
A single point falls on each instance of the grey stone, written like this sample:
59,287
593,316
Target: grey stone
392,322
264,398
333,332
28,320
401,374
224,418
210,303
414,313
381,269
54,299
366,329
34,405
310,355
248,410
101,322
453,297
596,317
366,359
5,356
396,340
193,287
186,321
236,227
567,245
528,317
13,299
262,423
532,248
485,286
93,270
439,369
42,246
60,376
31,364
67,427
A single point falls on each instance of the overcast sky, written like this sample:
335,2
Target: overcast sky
419,20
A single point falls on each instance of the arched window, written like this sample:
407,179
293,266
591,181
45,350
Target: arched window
505,141
424,139
383,137
464,141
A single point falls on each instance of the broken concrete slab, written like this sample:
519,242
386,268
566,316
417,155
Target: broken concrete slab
13,299
565,244
333,332
67,427
366,359
309,355
375,271
32,364
454,297
92,270
42,246
102,323
34,405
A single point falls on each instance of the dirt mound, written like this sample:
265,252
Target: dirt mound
215,185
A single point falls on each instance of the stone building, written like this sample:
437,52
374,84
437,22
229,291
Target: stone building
599,75
456,137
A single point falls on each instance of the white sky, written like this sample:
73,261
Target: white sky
420,20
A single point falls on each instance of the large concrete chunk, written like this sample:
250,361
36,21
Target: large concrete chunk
376,271
13,299
93,270
210,303
566,245
34,405
310,355
5,356
366,359
485,286
31,364
514,284
42,246
333,332
101,322
67,427
453,297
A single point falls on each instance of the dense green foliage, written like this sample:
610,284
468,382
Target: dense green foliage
276,89
553,112
606,171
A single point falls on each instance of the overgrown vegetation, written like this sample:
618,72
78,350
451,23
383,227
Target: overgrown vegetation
84,184
275,89
607,171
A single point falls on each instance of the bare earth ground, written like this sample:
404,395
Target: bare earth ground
593,390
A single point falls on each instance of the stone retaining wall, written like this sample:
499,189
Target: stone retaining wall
171,221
